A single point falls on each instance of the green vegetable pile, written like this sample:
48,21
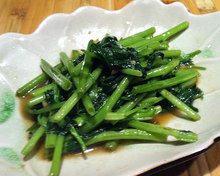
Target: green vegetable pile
109,92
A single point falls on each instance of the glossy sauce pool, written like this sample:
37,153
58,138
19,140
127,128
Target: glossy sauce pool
28,118
163,119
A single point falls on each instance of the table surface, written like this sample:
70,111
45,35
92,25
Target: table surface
24,16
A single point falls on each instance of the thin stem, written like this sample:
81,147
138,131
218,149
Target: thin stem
197,67
136,109
56,162
75,54
86,69
182,135
188,83
50,140
130,40
68,63
78,138
46,109
171,32
132,72
184,76
87,102
34,83
34,139
159,71
77,69
114,116
136,37
178,103
41,78
75,97
163,70
42,90
36,100
171,53
126,134
154,45
151,100
60,79
129,105
99,117
189,56
145,52
149,113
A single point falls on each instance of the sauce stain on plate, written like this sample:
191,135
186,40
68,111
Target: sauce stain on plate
29,118
163,118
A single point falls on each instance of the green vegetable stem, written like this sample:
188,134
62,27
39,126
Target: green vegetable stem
111,91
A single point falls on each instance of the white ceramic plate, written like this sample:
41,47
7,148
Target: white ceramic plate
19,62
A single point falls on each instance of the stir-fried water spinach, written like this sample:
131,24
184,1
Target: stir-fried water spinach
109,92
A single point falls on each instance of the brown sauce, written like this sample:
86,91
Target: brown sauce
23,104
163,118
39,150
28,118
92,150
